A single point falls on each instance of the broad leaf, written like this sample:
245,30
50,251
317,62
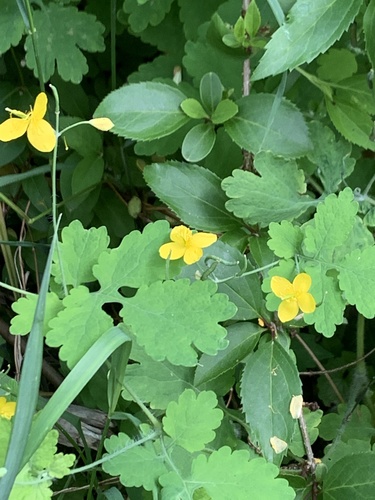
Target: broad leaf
210,90
143,13
193,192
224,111
368,27
263,124
311,28
198,142
144,111
11,25
286,239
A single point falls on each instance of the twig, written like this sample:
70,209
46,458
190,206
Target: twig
343,367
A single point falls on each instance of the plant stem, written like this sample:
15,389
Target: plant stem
7,254
113,44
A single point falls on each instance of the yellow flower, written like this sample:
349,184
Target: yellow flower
39,132
7,409
294,296
103,124
186,244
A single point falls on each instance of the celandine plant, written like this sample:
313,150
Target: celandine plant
214,250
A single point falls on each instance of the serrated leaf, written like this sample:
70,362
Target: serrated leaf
260,125
144,13
25,308
193,192
144,111
170,319
211,91
246,294
277,195
286,239
198,142
242,338
311,28
79,250
224,111
137,465
193,109
155,382
223,472
350,477
368,28
342,449
135,262
269,382
79,325
60,44
191,420
11,25
331,156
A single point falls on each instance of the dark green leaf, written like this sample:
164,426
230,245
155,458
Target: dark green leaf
210,91
11,25
198,142
369,29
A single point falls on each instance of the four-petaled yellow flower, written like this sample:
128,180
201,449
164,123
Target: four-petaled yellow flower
7,408
294,296
39,132
186,244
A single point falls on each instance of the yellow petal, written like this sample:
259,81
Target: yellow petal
192,255
281,287
41,135
180,234
306,302
288,309
302,282
7,409
13,128
295,407
103,124
203,240
278,445
172,250
40,106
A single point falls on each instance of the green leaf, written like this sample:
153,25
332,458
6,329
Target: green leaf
136,465
193,192
38,191
223,472
144,111
87,174
11,25
144,13
263,125
224,111
155,382
286,239
368,28
78,326
358,426
60,43
193,109
211,91
342,449
269,382
135,262
331,156
193,13
198,142
191,420
350,477
336,65
277,195
312,420
242,338
173,319
311,29
79,251
252,19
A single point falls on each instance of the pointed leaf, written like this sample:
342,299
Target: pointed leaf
211,91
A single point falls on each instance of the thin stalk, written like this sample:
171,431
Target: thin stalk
7,254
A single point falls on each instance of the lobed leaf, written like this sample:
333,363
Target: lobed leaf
285,240
11,25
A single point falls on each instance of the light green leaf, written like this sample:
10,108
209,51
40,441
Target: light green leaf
79,250
138,465
193,109
368,28
331,156
156,382
144,111
135,262
173,319
79,325
60,43
286,239
224,111
198,142
11,25
211,91
269,382
311,28
191,420
277,195
252,19
336,65
358,426
144,13
260,125
312,420
242,337
193,192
